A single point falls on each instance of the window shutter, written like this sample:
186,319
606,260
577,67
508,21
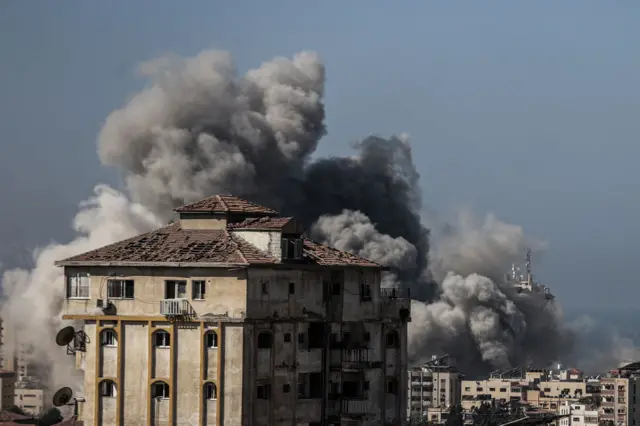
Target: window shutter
298,248
284,246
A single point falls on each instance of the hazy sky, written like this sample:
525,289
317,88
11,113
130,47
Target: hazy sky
528,109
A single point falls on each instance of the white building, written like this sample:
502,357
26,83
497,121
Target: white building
230,316
578,414
433,388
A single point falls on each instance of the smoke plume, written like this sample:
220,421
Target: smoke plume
199,129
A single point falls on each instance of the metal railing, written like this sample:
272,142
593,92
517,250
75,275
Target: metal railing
395,293
175,307
355,406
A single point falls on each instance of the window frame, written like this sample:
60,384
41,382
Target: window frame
207,387
176,285
78,281
216,343
122,286
113,339
201,285
263,391
166,390
108,389
166,340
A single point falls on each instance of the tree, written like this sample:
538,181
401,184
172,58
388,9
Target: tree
50,417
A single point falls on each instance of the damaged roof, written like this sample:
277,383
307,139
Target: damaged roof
260,223
174,246
225,204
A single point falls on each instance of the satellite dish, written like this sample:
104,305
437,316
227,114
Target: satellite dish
65,336
62,397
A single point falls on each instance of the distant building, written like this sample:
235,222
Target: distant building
230,316
433,388
620,399
7,387
579,414
30,400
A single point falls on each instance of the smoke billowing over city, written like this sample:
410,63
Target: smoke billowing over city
200,129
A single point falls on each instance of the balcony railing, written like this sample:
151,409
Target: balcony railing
355,406
395,293
176,307
353,356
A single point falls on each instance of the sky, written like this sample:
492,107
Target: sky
527,110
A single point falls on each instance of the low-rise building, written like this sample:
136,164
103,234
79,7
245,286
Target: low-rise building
29,400
578,414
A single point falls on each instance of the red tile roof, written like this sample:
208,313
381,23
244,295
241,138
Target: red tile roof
265,222
174,244
225,204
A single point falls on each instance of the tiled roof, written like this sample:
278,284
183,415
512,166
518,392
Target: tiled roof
265,222
225,204
328,256
173,244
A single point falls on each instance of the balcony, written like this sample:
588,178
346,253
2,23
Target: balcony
354,358
356,407
395,303
176,308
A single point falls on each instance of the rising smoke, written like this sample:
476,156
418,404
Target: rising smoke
199,129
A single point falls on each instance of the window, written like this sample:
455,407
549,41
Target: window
211,339
392,386
336,289
160,390
198,289
78,286
503,389
210,391
108,388
264,285
492,389
301,338
291,248
309,385
120,289
287,337
108,338
467,389
265,340
264,391
162,339
365,291
292,288
393,340
286,388
175,289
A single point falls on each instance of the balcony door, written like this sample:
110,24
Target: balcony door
175,289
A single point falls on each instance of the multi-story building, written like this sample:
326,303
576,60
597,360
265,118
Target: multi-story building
620,399
7,387
433,388
578,414
230,316
30,399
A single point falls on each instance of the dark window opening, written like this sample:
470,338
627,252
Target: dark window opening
264,391
198,288
265,287
286,388
211,339
120,289
310,386
162,339
265,340
287,337
210,391
392,386
292,288
175,289
317,332
392,340
160,390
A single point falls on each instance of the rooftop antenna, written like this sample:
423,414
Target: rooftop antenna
74,340
527,260
64,396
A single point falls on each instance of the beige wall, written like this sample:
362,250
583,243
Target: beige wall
29,400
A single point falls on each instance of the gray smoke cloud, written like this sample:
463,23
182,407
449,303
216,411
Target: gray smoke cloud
199,128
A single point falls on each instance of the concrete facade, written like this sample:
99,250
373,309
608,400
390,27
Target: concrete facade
579,415
282,344
433,389
30,401
7,388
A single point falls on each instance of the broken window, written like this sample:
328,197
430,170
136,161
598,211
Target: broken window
160,390
175,289
291,248
120,289
317,332
265,340
108,388
392,386
211,339
198,289
392,340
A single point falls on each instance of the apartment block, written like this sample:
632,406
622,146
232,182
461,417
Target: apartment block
432,389
30,400
231,316
7,387
620,399
578,414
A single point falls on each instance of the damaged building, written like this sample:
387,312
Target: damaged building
230,316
